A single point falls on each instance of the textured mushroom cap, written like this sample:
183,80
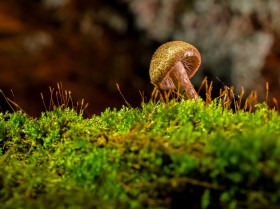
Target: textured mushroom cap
168,54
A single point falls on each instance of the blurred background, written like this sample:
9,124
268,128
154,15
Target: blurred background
90,45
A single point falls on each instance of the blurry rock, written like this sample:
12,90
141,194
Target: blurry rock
235,37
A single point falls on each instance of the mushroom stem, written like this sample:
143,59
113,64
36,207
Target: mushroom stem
182,82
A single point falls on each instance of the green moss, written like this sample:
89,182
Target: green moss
177,155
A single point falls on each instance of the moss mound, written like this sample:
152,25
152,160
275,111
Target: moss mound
185,154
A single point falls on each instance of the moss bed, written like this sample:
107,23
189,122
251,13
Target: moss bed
183,154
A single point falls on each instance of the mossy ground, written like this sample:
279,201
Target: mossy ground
182,154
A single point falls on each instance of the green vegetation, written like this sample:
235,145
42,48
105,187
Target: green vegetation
180,154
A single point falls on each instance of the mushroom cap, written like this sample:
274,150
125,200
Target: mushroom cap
168,54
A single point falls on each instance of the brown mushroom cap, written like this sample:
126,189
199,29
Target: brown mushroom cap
168,54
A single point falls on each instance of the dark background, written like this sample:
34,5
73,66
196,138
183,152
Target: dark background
90,45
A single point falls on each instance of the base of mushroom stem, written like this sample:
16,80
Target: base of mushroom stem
190,95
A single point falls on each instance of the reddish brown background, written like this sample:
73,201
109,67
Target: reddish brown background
90,45
72,43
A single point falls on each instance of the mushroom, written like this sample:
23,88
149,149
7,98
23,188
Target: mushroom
172,66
